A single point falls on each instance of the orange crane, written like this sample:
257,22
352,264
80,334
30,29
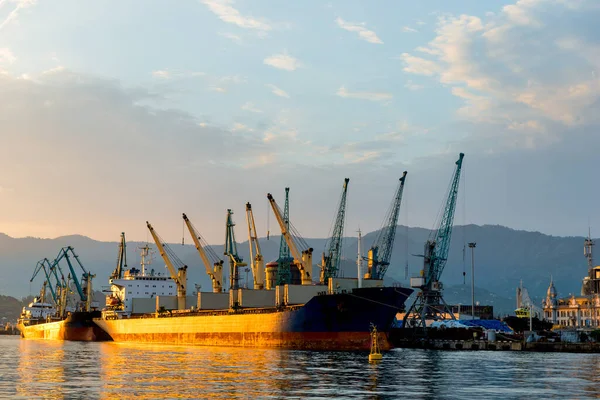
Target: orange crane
302,259
212,263
256,258
179,275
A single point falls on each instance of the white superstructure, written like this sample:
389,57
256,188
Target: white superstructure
138,284
37,310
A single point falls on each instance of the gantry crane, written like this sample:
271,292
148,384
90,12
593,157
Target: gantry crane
304,259
179,276
121,260
235,261
380,253
84,287
256,258
212,262
330,261
285,260
429,303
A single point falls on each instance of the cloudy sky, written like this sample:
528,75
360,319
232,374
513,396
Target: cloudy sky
117,112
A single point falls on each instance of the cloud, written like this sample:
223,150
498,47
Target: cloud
282,61
408,29
6,56
418,65
363,32
505,66
164,74
225,11
241,127
371,96
218,89
231,36
250,107
413,86
277,91
14,14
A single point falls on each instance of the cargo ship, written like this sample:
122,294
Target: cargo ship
63,316
339,321
39,321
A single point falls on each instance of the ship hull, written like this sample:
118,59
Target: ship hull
78,326
326,322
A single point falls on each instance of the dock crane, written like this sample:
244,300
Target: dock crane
380,253
84,287
212,262
256,257
121,260
429,303
304,259
179,276
285,259
330,261
235,261
44,265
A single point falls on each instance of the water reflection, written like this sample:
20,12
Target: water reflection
45,369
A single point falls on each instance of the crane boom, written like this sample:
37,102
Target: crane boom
235,261
41,266
284,261
380,253
122,259
330,261
303,259
441,242
256,257
214,269
179,276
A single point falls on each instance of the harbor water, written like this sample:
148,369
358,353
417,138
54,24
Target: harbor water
56,369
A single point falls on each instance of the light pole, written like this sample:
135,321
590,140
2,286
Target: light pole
472,247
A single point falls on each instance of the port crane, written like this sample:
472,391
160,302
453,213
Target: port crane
285,259
304,258
179,276
429,303
256,257
121,260
212,262
380,253
44,265
330,261
235,261
84,287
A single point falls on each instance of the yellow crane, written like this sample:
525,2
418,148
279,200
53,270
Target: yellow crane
256,258
179,275
304,258
212,263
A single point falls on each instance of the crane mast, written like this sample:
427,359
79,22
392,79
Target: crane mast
235,260
84,287
330,261
285,260
380,253
214,268
429,303
304,259
179,275
122,259
256,257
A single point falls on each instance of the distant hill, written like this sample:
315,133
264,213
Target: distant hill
503,257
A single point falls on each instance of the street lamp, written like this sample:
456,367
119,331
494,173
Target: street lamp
472,247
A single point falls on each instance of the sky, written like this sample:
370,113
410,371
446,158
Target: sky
113,113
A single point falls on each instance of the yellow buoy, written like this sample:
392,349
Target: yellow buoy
375,352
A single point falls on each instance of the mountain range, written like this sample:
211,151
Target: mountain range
503,257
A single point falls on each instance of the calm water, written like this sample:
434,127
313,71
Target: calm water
46,369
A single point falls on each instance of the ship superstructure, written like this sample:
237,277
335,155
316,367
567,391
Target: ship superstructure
128,285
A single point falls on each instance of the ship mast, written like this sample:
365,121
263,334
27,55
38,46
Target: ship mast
359,260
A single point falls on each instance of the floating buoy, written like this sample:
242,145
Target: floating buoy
375,352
